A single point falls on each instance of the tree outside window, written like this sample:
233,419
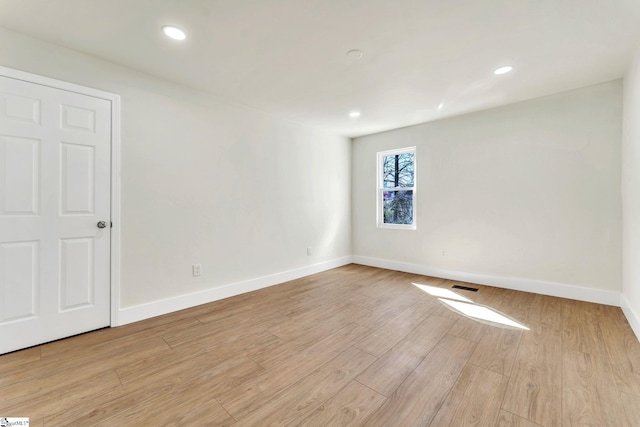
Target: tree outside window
396,188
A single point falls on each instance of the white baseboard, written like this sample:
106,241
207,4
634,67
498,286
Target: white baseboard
631,315
527,285
169,305
158,308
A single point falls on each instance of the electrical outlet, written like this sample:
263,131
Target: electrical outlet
197,270
309,251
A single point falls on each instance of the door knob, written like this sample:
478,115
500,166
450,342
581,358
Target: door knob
102,224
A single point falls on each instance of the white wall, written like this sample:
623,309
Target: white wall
204,181
631,196
524,196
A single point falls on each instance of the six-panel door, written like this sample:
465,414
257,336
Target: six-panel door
54,188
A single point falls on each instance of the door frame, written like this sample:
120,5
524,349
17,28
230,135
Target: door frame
114,100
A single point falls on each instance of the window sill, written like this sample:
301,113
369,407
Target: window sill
398,226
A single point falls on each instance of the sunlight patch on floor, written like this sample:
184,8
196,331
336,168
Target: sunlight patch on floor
441,292
481,312
468,308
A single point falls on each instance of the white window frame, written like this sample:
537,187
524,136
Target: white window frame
380,188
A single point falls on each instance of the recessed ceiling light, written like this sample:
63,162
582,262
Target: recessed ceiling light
503,70
354,114
355,54
174,32
441,106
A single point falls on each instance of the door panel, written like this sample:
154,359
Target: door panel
21,108
55,179
19,181
76,278
78,178
20,280
78,118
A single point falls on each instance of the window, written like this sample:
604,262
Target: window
397,188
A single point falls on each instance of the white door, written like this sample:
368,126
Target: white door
54,189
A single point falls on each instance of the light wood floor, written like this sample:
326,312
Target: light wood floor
351,346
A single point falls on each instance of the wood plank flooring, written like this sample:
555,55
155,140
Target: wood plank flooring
353,346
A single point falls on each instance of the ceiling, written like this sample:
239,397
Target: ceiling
422,59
